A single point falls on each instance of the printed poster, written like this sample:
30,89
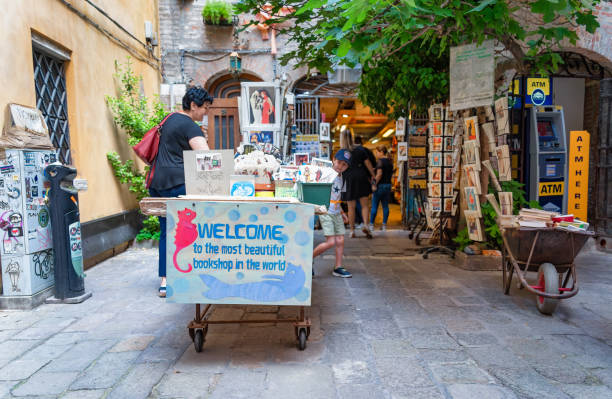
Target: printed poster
239,253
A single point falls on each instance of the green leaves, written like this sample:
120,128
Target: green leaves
481,6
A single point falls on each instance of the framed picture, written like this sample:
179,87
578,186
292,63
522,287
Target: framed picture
402,151
417,173
505,202
448,174
324,150
435,159
448,190
435,174
414,152
473,202
322,163
471,128
435,189
501,116
242,186
472,154
436,129
260,106
448,205
417,163
400,127
503,162
472,177
448,143
435,112
449,129
473,225
301,158
449,159
436,204
261,137
324,132
435,144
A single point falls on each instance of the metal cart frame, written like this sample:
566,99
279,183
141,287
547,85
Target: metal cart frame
548,251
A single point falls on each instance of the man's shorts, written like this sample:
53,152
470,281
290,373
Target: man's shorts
332,224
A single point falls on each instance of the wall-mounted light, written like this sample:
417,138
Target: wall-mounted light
342,128
235,63
375,141
388,133
345,116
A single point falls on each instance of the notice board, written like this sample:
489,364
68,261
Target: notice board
472,69
239,253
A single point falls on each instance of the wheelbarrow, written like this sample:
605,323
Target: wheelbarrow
548,251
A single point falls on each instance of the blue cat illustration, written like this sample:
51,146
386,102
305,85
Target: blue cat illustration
272,288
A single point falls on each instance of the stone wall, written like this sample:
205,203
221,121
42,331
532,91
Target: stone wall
193,52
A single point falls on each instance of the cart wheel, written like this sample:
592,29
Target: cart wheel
302,339
425,256
410,236
191,333
198,340
548,279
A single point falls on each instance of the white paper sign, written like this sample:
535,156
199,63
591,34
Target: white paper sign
472,71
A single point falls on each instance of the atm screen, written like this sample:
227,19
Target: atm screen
546,131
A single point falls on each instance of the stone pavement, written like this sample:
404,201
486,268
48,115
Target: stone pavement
402,327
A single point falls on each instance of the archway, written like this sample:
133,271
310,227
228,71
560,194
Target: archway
223,117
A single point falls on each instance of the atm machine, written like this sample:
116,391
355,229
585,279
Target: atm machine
548,158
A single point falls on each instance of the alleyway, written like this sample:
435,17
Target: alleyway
402,327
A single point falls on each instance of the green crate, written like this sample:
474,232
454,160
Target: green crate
315,193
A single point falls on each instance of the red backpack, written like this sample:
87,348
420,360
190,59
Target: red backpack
148,147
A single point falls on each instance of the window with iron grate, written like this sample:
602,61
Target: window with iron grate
51,100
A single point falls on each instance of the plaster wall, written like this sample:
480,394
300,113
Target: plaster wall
89,78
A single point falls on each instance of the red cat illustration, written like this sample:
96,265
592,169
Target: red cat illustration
186,234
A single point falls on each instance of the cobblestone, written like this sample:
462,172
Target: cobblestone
401,328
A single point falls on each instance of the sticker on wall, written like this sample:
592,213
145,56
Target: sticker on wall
13,269
76,251
13,192
8,246
15,231
1,183
43,217
15,218
34,191
7,169
15,178
29,158
27,188
4,205
43,264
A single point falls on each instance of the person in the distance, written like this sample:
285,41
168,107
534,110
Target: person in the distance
179,133
381,187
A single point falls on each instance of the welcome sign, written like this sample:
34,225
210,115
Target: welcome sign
239,253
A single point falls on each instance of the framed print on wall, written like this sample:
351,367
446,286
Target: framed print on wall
260,106
324,134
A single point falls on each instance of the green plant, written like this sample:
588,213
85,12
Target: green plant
150,229
463,239
217,11
130,111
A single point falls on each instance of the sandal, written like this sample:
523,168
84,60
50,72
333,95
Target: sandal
162,292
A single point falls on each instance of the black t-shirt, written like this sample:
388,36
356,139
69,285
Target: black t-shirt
387,170
175,135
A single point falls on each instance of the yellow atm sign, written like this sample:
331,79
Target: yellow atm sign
538,83
551,188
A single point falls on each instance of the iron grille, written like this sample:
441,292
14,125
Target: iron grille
50,84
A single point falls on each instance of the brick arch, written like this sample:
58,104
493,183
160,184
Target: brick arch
225,85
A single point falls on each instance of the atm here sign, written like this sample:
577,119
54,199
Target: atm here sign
551,188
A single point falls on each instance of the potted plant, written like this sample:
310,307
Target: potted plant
217,12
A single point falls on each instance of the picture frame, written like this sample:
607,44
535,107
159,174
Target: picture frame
435,144
260,106
448,190
473,178
435,174
448,205
435,159
324,150
503,162
437,129
436,204
436,112
435,189
448,174
448,144
506,203
322,163
301,158
449,129
471,128
472,200
449,159
261,137
402,151
324,132
400,127
502,119
474,226
472,154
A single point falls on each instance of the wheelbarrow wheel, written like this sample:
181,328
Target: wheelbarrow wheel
198,341
302,336
548,279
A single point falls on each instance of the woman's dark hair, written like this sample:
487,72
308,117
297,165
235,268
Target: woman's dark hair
383,149
196,94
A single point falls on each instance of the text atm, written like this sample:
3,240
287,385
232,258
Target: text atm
548,158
